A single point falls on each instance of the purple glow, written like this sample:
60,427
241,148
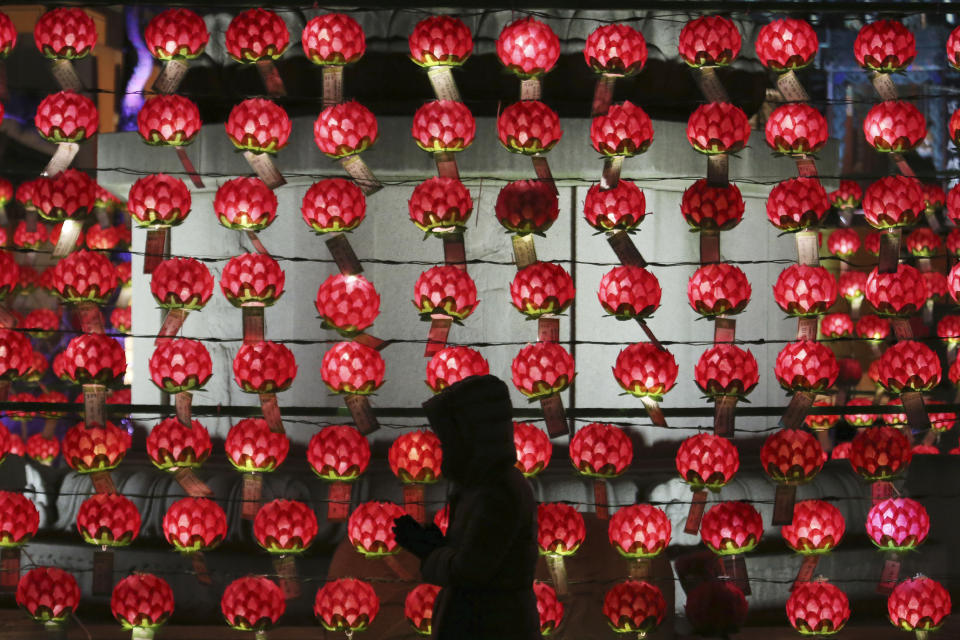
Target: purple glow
133,99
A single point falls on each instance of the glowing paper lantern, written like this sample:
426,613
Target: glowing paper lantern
194,524
108,520
542,288
802,290
786,44
644,369
806,366
346,604
600,451
285,526
542,369
528,47
712,208
142,603
180,365
818,608
350,367
709,41
533,448
880,453
527,206
894,127
338,454
718,289
639,532
918,604
168,120
629,292
345,129
49,595
418,607
333,39
415,458
66,116
172,445
560,532
731,528
909,366
252,603
634,607
896,294
529,127
718,127
370,529
897,524
796,129
622,207
19,519
95,449
333,205
893,201
847,195
885,45
440,206
797,203
452,364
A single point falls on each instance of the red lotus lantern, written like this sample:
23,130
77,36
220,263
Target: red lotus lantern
786,44
345,129
622,207
634,607
440,41
370,529
613,51
852,285
948,329
350,367
29,240
893,201
847,195
817,528
718,127
706,461
179,366
711,208
122,319
67,196
802,290
560,532
843,243
258,125
896,294
452,364
790,457
193,525
95,449
894,127
796,129
246,204
16,445
818,608
639,532
285,526
253,448
549,607
527,206
333,39
440,205
601,451
168,120
418,607
108,520
333,205
415,458
909,366
265,368
871,327
836,325
443,126
542,288
872,243
173,446
142,603
445,289
19,519
42,450
176,34
67,33
937,288
644,369
104,238
10,274
542,369
897,524
84,276
726,370
796,204
252,278
50,595
8,35
880,453
338,454
66,116
885,45
731,528
629,292
716,608
709,41
934,197
252,603
529,127
255,35
533,448
918,604
718,289
806,366
625,130
180,285
347,303
347,605
529,48
16,354
93,358
159,200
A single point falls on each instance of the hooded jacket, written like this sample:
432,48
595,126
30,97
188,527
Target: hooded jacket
486,565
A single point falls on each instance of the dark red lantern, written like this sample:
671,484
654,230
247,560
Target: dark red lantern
718,127
348,605
181,283
880,453
622,207
180,365
528,47
909,366
370,529
797,203
67,32
92,449
625,130
711,208
894,127
918,604
350,367
533,448
726,370
792,456
172,445
168,120
194,524
806,366
50,595
66,116
19,519
796,129
527,206
718,289
542,288
257,34
285,526
786,44
253,448
529,127
897,294
885,45
333,39
817,608
897,524
252,278
549,607
440,205
542,369
446,290
345,129
847,195
443,126
706,461
333,205
802,290
817,527
893,201
108,520
634,607
709,41
645,370
252,603
629,292
453,364
142,602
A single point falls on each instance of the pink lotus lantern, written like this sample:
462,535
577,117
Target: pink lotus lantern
533,448
707,207
440,43
718,289
540,371
415,458
338,454
818,608
174,121
705,461
440,206
885,45
718,127
639,532
356,371
843,243
613,51
452,364
63,35
796,129
142,603
731,529
333,40
347,605
816,528
175,36
347,303
259,36
370,529
846,196
625,130
252,603
245,204
786,44
532,128
894,127
343,132
918,604
790,457
418,607
601,451
560,532
803,290
620,208
709,41
528,48
444,127
797,203
634,607
253,448
726,373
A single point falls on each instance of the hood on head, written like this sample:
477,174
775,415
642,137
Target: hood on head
474,420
